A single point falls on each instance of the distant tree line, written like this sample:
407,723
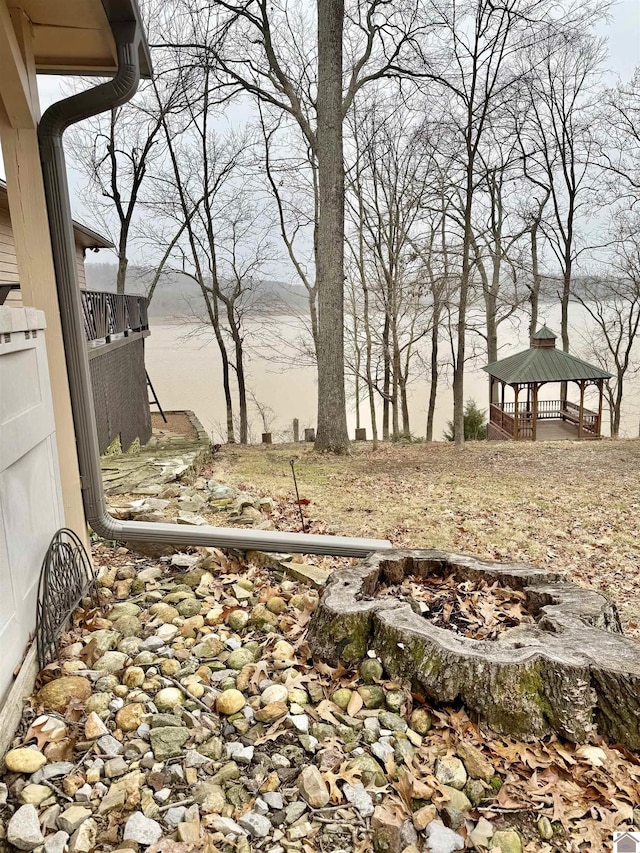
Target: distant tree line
424,169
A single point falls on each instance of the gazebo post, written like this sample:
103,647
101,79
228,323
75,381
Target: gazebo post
600,396
534,421
516,389
581,414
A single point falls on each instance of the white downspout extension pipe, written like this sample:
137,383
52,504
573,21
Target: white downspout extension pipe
54,122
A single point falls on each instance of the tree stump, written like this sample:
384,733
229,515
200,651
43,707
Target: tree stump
570,671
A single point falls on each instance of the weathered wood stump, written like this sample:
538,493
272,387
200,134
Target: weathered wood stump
570,672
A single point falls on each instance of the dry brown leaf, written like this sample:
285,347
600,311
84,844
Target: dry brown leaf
355,704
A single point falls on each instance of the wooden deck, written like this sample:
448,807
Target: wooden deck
559,431
547,430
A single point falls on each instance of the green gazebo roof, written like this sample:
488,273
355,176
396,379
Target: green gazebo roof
543,363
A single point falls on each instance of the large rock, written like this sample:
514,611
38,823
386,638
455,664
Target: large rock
167,742
507,841
313,787
477,766
56,695
111,662
440,839
71,818
450,771
84,838
558,674
23,830
24,759
167,698
143,830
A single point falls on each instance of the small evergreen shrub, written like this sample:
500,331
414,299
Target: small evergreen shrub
475,424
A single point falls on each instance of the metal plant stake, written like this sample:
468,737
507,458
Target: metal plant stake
295,483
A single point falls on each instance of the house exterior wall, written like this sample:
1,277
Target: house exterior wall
9,263
31,508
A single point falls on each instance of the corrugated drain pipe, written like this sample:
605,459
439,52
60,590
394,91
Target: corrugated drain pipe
54,122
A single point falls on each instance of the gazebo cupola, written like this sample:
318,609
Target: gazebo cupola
529,418
544,338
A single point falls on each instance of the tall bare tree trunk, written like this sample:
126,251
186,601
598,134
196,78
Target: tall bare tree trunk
121,277
458,368
433,384
386,382
240,374
332,408
534,293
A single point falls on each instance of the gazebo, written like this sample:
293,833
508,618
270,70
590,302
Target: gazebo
527,417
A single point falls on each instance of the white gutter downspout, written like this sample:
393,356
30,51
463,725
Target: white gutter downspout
54,122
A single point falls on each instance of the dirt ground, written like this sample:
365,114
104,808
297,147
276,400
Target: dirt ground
571,506
177,422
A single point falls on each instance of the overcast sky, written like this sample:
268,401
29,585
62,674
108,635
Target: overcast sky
622,33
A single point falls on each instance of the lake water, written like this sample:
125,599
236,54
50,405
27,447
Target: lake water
186,373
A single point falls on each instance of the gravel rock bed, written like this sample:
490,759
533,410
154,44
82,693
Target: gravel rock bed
187,714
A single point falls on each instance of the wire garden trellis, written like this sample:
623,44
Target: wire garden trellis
66,577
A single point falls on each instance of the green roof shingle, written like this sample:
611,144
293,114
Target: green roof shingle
540,364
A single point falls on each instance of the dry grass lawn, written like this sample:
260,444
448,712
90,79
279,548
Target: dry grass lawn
570,506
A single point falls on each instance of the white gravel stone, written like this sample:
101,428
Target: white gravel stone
300,722
440,839
274,693
142,830
108,745
83,794
193,758
260,806
56,843
274,800
238,752
153,643
359,798
175,815
382,750
227,826
23,830
256,825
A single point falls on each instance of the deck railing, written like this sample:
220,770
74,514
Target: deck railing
503,416
111,315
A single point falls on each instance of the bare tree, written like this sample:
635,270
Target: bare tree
613,306
620,136
116,152
385,204
256,52
558,146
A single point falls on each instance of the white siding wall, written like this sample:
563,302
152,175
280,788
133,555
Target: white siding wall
30,497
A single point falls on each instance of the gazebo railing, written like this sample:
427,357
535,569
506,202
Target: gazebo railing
502,419
503,416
